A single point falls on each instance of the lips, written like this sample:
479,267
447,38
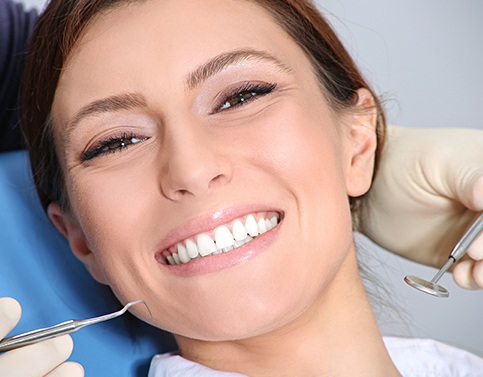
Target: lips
222,239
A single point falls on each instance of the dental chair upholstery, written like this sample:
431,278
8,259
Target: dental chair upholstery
38,269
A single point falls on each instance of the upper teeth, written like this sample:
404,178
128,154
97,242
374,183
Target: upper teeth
225,239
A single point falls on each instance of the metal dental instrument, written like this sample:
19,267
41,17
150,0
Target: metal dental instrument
431,287
63,328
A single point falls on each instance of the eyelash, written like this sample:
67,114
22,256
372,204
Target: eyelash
238,97
242,95
111,145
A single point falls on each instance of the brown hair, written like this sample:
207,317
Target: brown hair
62,23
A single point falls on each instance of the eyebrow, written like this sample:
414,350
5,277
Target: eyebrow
126,101
114,103
222,61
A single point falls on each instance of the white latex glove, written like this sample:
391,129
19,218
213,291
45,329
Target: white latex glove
42,359
427,192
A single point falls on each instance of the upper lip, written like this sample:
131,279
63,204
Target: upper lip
209,222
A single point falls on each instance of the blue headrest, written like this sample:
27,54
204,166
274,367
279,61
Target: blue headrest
38,269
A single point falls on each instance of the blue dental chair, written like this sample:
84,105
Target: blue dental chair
38,269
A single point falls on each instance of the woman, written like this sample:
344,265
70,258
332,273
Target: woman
211,177
451,178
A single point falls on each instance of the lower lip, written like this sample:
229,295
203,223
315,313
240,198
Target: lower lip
217,262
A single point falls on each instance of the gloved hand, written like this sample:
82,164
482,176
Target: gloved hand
428,190
42,359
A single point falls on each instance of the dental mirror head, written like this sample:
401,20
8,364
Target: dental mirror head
431,287
425,286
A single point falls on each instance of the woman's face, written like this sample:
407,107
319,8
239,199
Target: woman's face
179,121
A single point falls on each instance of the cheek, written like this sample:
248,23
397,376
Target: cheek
302,146
110,206
116,212
302,153
311,160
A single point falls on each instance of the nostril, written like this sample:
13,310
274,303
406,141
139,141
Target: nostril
218,179
194,176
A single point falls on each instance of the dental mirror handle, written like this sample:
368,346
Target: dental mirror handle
461,247
470,235
432,287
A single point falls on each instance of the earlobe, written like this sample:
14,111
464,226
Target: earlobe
56,215
70,229
362,146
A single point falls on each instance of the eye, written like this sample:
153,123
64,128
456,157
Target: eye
111,145
244,94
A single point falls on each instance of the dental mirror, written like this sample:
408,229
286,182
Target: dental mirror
431,287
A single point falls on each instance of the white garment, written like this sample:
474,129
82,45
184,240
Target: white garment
413,358
429,358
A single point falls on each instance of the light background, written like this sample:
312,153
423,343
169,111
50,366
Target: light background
426,58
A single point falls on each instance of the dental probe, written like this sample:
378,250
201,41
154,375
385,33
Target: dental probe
431,287
63,328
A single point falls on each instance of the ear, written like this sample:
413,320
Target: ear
362,145
68,226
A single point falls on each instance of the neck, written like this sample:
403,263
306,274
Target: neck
336,336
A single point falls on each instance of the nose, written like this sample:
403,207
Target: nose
195,164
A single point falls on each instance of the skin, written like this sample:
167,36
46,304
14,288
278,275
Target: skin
294,290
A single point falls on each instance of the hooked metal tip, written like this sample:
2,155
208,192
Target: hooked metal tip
129,304
66,327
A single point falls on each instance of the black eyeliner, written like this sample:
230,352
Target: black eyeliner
257,88
107,146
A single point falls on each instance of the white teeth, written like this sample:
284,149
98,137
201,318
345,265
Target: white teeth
251,226
182,253
262,227
228,248
274,221
225,240
239,243
192,249
223,237
206,245
243,242
268,224
239,231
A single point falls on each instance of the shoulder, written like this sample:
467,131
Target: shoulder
16,25
170,365
413,358
429,358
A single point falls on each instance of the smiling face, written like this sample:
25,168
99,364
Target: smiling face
205,171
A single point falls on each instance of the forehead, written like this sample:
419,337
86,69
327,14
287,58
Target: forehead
181,31
136,44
